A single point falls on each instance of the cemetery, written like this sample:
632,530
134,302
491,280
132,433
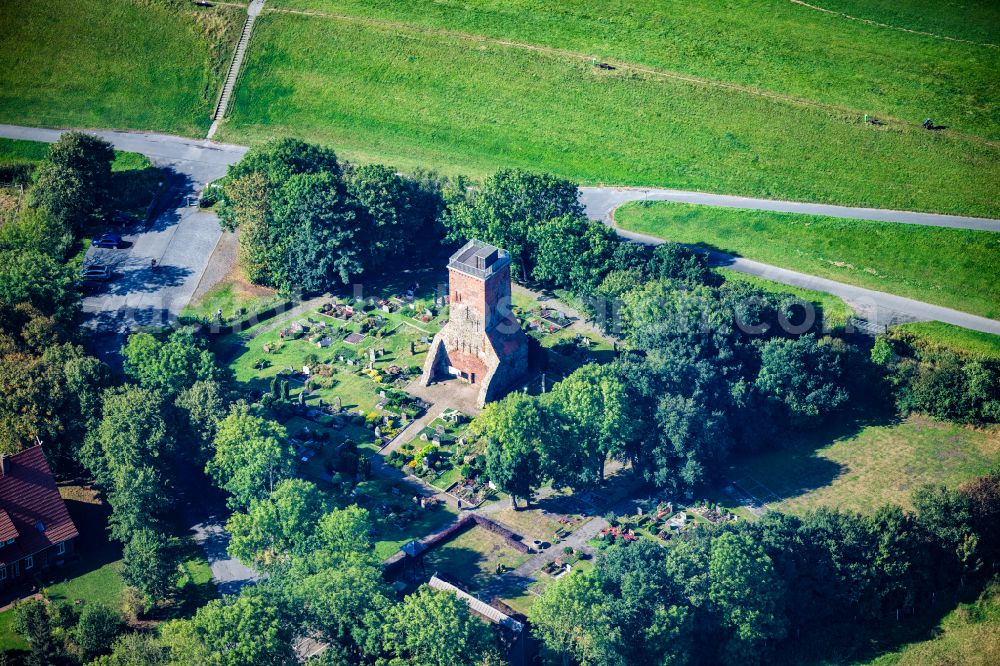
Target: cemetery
441,455
661,521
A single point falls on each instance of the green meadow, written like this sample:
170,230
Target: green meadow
409,97
859,465
769,45
974,20
132,64
956,268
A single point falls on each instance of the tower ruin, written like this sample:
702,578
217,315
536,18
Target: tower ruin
482,343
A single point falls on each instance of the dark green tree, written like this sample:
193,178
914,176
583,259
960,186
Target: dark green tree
251,456
96,630
277,527
745,595
401,212
572,252
170,364
507,206
131,456
234,631
315,234
513,429
32,622
149,563
435,627
74,183
804,374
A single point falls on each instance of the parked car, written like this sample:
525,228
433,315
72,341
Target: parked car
108,240
96,272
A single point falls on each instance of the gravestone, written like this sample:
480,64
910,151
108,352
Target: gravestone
338,404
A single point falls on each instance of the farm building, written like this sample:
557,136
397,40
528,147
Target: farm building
36,531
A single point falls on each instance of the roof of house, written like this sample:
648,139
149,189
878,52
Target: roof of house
479,259
478,606
32,504
7,529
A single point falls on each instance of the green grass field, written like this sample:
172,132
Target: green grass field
862,466
957,19
232,297
956,268
13,151
768,45
961,340
473,106
472,557
133,64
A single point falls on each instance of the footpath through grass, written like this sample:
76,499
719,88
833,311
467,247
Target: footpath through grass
134,64
956,268
974,20
411,97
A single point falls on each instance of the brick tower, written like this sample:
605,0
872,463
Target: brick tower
482,343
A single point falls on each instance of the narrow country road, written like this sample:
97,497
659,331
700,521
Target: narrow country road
601,202
877,307
201,161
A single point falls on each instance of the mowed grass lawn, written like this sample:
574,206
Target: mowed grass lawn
771,45
956,268
131,64
862,467
412,98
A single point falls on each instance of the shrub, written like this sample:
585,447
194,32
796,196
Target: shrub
97,629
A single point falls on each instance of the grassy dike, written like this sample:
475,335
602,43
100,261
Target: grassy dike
412,98
130,64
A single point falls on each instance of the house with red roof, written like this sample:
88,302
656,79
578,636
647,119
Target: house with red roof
36,531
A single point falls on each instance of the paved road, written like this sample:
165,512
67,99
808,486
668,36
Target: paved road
199,161
181,240
877,307
601,202
229,574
